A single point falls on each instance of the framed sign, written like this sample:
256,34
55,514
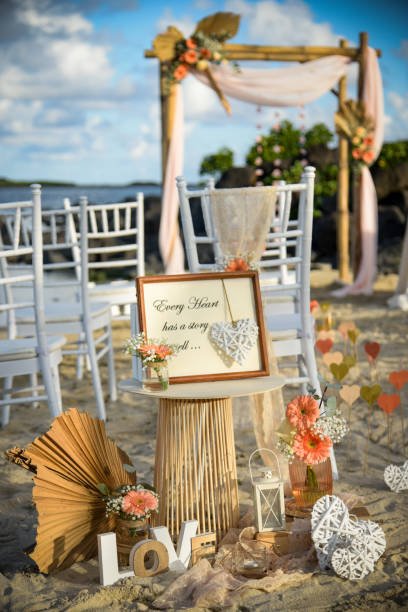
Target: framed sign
215,319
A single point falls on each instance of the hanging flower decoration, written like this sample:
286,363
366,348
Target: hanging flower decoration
204,47
353,123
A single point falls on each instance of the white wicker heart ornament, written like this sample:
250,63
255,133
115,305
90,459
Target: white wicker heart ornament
349,547
396,477
235,339
357,559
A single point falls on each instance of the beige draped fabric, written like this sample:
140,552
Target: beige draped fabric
242,218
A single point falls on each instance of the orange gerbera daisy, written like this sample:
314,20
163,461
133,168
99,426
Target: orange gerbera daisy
237,265
302,411
139,502
311,447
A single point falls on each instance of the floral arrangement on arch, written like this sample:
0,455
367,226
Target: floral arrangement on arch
357,126
308,433
204,47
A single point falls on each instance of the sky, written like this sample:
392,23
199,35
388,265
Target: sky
79,101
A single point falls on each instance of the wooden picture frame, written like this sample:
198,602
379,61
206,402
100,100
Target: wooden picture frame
180,309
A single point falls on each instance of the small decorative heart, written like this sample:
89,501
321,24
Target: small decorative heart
356,559
324,346
353,334
326,333
235,340
349,361
398,379
339,371
325,307
345,326
330,358
388,402
372,349
396,477
370,394
350,393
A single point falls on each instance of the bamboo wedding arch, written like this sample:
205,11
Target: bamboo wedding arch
235,52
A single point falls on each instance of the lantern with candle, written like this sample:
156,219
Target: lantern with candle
269,501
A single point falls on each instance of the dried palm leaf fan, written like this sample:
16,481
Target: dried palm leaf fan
71,459
351,116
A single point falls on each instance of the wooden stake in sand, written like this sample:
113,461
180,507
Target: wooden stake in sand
388,403
349,393
369,395
398,380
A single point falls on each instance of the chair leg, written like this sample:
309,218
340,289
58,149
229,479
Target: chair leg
5,411
55,375
80,357
34,383
96,379
111,366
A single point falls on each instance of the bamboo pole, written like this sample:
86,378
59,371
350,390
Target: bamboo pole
167,107
235,51
363,48
343,191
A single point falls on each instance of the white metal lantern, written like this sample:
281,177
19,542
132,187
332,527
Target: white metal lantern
269,500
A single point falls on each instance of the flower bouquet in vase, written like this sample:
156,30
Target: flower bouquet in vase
306,437
131,507
154,355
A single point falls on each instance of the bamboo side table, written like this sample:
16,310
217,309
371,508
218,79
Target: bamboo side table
195,470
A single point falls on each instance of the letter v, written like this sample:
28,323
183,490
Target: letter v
178,562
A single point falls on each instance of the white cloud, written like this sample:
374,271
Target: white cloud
287,23
40,15
396,124
139,150
185,24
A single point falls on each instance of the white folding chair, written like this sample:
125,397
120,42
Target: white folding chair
88,322
284,273
39,354
284,269
116,241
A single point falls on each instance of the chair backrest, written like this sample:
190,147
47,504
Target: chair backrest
284,267
115,235
64,274
16,246
288,242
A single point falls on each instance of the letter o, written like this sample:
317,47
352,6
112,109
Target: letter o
139,551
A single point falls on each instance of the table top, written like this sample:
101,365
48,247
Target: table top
208,390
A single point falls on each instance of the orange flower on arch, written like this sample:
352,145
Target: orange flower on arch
190,57
180,72
191,43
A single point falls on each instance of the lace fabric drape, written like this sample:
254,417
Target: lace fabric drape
242,218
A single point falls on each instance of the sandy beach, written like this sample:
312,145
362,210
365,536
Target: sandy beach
132,424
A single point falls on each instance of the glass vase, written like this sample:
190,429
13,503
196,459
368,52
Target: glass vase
129,533
156,376
310,482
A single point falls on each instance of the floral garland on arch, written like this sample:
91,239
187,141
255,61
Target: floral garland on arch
357,126
204,47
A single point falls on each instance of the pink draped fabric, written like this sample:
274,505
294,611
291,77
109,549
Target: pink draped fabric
170,244
289,86
274,87
374,103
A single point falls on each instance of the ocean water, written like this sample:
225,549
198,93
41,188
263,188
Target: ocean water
52,197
